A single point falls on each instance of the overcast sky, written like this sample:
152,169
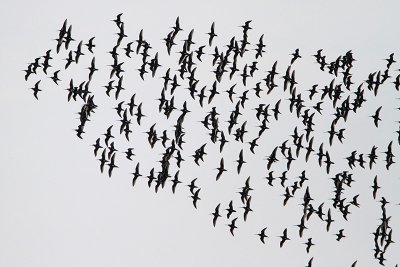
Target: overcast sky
59,210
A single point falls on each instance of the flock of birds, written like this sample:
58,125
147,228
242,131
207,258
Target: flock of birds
341,93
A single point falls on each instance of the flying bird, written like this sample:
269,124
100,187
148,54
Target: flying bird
376,116
262,235
216,214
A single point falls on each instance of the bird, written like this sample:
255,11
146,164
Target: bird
192,186
376,116
247,208
97,146
309,243
284,238
328,220
232,226
111,165
355,201
55,77
128,49
230,209
139,113
375,187
129,153
216,214
108,135
276,109
78,52
211,34
310,262
221,169
103,160
136,174
36,90
253,144
262,235
295,55
340,235
92,68
175,182
240,161
90,45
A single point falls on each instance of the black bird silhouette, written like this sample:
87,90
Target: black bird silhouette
375,186
196,197
240,161
328,162
92,68
129,153
328,220
302,226
284,238
192,186
310,262
260,47
272,158
220,169
108,135
230,209
295,55
97,146
90,45
390,60
355,201
151,177
128,49
309,148
111,149
340,235
262,235
111,165
78,52
55,77
199,52
247,208
136,174
216,214
175,182
231,92
119,87
36,89
376,116
232,226
118,20
79,131
309,243
69,60
211,34
276,109
246,26
139,113
103,160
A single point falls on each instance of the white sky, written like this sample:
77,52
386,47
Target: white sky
59,210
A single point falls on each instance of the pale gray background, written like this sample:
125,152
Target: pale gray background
58,210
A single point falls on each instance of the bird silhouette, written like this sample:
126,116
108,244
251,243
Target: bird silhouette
376,116
232,226
284,238
262,235
216,214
